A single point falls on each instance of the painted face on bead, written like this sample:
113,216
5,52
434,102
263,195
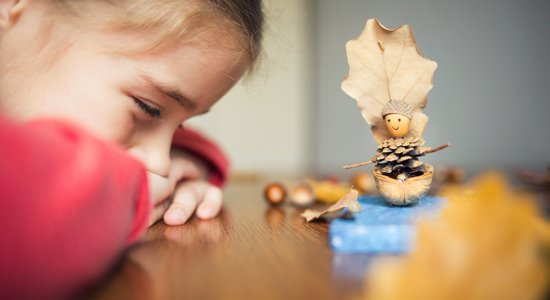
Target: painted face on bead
398,125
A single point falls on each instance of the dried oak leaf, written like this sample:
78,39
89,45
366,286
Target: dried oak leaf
385,64
349,201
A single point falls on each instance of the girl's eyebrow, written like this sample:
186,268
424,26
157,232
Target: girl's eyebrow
170,92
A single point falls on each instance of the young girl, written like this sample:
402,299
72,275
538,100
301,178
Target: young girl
92,97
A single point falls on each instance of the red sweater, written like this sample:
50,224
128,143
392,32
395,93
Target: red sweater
71,205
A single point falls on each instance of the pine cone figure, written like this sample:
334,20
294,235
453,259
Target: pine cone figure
398,157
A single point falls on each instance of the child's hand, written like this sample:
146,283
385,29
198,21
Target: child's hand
193,195
185,190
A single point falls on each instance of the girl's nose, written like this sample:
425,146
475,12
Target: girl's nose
156,160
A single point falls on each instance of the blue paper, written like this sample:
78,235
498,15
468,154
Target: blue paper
380,227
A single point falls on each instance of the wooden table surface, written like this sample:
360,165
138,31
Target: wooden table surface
250,251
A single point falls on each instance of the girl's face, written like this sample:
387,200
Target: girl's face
136,101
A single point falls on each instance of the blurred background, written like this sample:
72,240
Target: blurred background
490,100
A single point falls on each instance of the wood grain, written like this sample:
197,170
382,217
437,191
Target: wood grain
250,251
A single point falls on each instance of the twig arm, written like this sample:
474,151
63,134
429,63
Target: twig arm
358,164
438,148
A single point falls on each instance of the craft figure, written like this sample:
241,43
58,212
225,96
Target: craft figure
390,81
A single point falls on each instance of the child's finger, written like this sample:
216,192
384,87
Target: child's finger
211,203
186,199
158,212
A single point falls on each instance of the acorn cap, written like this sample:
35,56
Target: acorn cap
398,107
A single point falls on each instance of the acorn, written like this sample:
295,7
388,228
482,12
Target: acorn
302,195
454,176
363,183
275,193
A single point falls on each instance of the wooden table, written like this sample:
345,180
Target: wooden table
250,251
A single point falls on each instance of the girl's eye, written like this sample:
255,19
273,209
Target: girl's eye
148,109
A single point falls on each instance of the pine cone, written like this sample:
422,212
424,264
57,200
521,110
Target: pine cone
398,157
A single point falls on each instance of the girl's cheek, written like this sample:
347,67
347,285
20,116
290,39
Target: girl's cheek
123,131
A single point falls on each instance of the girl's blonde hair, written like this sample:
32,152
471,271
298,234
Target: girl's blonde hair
172,20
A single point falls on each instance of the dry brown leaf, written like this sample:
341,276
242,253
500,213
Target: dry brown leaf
385,64
491,242
349,201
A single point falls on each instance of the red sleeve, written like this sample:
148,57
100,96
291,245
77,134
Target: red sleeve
191,141
70,205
